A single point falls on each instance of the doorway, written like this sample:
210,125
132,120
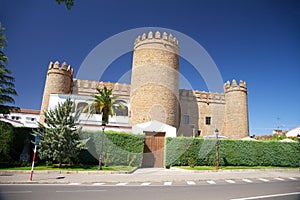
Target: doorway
154,149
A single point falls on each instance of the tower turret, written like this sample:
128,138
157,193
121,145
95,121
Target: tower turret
236,110
58,81
154,81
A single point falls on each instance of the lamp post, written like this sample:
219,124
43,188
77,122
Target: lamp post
217,149
101,147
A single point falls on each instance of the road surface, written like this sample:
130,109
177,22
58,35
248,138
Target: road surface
245,189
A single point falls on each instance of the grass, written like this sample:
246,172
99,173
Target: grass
232,167
72,168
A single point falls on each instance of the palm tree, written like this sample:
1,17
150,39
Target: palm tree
103,103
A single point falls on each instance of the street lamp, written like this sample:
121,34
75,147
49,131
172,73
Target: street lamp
217,149
101,147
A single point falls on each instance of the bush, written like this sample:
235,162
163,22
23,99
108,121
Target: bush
12,142
197,151
6,139
21,134
119,148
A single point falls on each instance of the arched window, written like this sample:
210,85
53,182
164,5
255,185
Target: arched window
81,105
119,111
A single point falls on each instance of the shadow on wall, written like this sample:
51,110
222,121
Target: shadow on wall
189,114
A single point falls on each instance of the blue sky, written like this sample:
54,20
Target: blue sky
253,40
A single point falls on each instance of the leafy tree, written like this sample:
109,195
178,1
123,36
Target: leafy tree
7,86
69,3
6,139
103,103
60,140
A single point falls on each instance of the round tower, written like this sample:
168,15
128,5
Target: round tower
154,80
58,81
236,110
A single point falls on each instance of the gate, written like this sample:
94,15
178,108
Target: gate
154,149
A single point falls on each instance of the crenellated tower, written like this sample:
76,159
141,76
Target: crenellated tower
236,110
58,81
154,81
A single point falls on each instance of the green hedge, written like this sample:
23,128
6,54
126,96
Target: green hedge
119,148
196,151
12,141
6,140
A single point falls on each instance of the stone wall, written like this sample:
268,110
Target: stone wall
154,80
58,81
236,110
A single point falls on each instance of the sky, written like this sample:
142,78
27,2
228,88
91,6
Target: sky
257,41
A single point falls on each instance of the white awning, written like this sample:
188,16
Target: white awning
154,126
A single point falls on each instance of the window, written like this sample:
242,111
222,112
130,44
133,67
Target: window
81,105
186,119
119,111
207,120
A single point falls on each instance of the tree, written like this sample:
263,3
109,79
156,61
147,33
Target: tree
60,140
69,3
7,86
103,103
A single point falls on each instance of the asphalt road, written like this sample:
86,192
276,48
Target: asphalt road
287,190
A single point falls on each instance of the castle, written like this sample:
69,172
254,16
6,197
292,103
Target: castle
154,94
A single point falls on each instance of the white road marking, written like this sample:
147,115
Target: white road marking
279,179
230,181
121,184
268,196
191,183
167,183
74,184
292,178
73,191
96,184
264,180
211,182
145,184
247,180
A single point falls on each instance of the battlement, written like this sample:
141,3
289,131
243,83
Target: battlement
203,97
88,87
63,68
150,38
228,87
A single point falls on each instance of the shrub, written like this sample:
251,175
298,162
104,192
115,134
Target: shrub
198,151
120,148
6,139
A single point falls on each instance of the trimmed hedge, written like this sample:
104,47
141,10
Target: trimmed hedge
6,140
12,141
120,148
196,151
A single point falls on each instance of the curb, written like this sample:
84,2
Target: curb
11,172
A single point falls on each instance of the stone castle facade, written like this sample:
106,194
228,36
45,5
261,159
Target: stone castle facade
154,93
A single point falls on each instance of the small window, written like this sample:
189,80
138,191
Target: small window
207,120
119,111
186,119
81,106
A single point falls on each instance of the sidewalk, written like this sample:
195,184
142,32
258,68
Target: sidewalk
140,175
